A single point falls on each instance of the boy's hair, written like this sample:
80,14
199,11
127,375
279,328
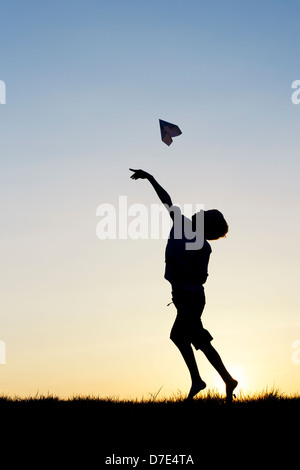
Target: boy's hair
215,226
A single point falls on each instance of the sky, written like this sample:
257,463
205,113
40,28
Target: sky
86,83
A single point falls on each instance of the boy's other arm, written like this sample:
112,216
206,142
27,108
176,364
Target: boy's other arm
160,191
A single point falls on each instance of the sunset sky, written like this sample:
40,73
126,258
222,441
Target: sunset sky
86,83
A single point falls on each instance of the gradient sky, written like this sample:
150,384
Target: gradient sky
86,83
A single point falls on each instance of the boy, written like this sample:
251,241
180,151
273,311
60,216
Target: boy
186,270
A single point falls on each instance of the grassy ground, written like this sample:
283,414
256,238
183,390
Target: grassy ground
86,432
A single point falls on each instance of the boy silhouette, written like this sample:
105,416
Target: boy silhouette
187,260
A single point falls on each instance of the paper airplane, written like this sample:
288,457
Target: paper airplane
168,131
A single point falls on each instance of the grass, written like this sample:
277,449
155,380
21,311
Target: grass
208,402
209,396
87,428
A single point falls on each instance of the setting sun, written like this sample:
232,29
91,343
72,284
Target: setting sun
240,374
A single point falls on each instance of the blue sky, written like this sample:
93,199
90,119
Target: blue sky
86,84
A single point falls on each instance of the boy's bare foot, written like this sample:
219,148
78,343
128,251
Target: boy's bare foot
196,388
230,386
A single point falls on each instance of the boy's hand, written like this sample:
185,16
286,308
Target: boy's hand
161,192
139,174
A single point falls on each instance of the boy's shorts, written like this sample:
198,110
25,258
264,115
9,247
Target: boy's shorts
188,325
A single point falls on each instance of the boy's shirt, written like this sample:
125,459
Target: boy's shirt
185,269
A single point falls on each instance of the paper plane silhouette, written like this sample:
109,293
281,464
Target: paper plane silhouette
168,131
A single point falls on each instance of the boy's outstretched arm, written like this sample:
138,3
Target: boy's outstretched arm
161,192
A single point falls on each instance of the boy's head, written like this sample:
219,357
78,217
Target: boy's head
215,226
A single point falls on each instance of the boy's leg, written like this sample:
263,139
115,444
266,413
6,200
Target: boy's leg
180,335
188,355
216,361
